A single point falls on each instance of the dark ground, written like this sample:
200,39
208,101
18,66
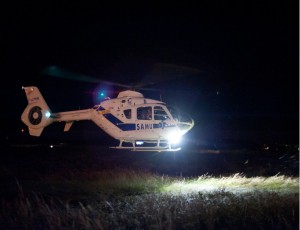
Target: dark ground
23,164
24,168
39,159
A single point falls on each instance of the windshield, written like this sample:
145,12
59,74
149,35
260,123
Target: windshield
184,122
160,113
174,112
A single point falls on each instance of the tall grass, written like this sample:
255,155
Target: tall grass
126,199
236,183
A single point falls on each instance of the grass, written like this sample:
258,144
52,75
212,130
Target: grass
236,182
84,187
130,199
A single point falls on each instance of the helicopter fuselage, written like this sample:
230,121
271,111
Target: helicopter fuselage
133,119
128,118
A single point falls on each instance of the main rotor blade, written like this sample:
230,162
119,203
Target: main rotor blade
55,71
177,69
156,75
165,72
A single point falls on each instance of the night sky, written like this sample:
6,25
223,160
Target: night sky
233,67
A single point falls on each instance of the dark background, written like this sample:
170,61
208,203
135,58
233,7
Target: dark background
234,67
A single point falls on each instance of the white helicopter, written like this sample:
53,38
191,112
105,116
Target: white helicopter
139,123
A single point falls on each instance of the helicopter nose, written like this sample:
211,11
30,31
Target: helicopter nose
185,126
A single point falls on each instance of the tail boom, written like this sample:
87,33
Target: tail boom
37,115
71,116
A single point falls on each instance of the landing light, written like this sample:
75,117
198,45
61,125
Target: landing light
174,137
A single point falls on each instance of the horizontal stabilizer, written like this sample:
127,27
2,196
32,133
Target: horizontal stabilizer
68,126
35,132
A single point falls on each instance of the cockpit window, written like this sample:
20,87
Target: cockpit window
174,112
160,113
144,113
127,113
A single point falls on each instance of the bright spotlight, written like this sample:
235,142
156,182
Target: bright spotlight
174,137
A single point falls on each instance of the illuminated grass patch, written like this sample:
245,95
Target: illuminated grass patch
127,199
129,182
235,183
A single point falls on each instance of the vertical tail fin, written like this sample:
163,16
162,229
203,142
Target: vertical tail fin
37,113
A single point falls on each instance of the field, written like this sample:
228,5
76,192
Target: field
93,187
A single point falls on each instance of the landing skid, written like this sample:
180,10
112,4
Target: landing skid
158,146
147,149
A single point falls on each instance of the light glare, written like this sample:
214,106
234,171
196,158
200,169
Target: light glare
174,137
139,142
47,114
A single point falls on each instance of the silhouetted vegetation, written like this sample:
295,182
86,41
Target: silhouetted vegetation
45,189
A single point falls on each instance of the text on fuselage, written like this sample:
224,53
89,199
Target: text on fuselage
144,126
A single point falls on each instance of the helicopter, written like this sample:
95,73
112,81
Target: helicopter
145,124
